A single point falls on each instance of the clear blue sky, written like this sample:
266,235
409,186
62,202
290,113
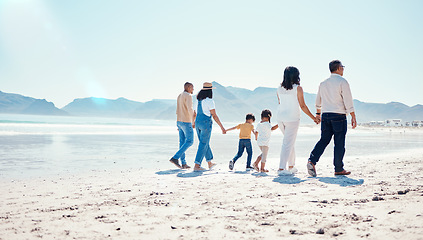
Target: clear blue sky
61,50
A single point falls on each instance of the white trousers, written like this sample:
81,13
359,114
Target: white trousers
289,130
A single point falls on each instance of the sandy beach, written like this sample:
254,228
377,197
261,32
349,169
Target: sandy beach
102,103
382,199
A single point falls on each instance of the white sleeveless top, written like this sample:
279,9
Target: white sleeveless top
289,108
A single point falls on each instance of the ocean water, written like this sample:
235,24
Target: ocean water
37,146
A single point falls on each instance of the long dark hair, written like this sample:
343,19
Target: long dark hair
291,76
203,94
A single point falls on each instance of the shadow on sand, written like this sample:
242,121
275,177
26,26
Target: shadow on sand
190,174
260,174
169,172
242,172
288,180
342,181
184,173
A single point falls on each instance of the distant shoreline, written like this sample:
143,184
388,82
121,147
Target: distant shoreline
392,128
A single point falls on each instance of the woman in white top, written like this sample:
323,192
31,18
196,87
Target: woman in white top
291,99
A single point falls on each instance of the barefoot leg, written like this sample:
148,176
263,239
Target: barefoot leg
262,169
255,164
257,161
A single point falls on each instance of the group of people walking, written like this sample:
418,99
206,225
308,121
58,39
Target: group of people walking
333,102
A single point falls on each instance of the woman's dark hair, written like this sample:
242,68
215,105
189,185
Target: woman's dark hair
203,94
266,113
291,76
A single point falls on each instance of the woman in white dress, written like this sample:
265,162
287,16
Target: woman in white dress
291,99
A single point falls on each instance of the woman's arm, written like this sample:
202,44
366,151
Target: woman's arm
300,96
216,118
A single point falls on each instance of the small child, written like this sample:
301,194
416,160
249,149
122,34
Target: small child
264,130
244,140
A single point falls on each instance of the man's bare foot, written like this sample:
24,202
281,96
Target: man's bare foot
198,168
211,165
264,170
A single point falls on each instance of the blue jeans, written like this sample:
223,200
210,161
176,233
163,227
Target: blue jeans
244,143
333,124
204,129
186,139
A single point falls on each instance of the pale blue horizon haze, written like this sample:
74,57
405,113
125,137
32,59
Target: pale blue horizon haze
143,50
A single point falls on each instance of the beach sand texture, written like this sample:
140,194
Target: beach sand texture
382,199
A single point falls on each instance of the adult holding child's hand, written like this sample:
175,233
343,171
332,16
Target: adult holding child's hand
291,101
206,110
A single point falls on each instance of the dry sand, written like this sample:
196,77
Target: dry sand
382,199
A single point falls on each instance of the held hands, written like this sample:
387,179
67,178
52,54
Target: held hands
317,119
223,131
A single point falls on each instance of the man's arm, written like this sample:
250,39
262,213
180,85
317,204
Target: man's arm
191,111
318,106
353,120
189,104
347,97
348,102
193,119
275,127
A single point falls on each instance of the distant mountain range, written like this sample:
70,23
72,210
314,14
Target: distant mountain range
18,104
232,104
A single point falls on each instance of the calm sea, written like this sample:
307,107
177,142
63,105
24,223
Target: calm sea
36,146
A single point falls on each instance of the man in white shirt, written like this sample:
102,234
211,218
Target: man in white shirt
334,101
